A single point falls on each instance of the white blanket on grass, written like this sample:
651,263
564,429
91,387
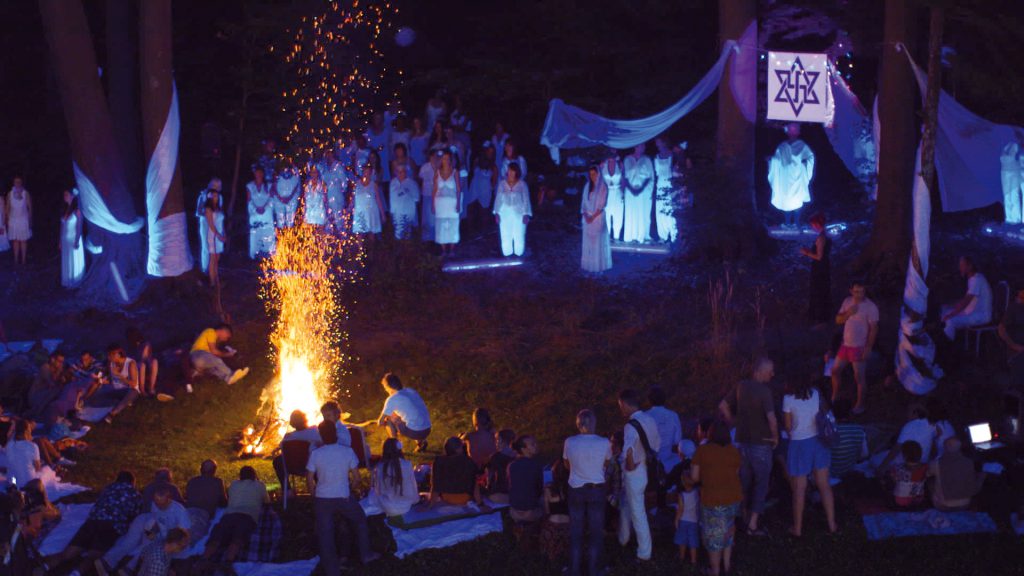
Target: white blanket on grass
55,487
444,534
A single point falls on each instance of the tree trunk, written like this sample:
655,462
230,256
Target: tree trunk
94,150
885,255
122,75
169,253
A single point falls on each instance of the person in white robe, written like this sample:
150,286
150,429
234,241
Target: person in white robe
367,204
790,171
426,175
485,178
499,137
436,108
72,253
19,219
512,212
262,238
286,197
404,195
214,187
378,137
1013,183
400,133
665,192
611,174
596,256
447,197
639,196
314,198
508,156
335,177
419,140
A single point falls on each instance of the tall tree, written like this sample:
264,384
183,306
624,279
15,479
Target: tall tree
122,75
106,202
169,254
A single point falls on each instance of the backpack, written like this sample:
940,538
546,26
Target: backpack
828,431
656,475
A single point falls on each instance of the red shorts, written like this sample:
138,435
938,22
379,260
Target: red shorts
851,353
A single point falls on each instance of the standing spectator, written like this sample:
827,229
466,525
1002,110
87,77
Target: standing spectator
496,470
525,482
246,497
204,494
956,480
19,219
512,212
859,317
1011,331
687,519
72,253
404,413
670,429
208,353
394,481
5,244
975,308
819,303
586,454
716,465
751,408
806,454
640,436
480,443
331,412
403,197
214,185
852,445
328,476
213,224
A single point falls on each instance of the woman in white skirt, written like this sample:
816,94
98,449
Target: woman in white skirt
665,191
485,178
314,198
19,219
611,175
286,196
636,219
213,219
367,205
72,254
446,201
597,249
261,215
512,212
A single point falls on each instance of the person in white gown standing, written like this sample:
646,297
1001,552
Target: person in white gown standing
367,205
512,212
213,219
335,177
19,219
204,252
286,196
510,155
446,200
262,238
789,173
419,140
665,192
611,174
314,198
378,137
597,250
485,178
639,171
72,253
404,195
436,108
426,174
5,245
1013,183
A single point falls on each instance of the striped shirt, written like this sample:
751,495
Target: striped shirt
847,452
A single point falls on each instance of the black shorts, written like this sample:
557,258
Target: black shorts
235,528
98,535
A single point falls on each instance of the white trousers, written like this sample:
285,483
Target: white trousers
633,514
962,321
614,212
513,233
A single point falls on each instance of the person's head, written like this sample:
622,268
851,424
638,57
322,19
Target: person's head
487,158
378,120
453,446
617,439
223,331
911,452
525,445
215,184
115,354
801,387
447,159
57,359
67,196
916,411
162,497
510,148
331,411
704,429
400,151
313,172
37,488
842,408
593,173
499,128
176,540
269,145
967,266
163,475
504,438
449,132
247,473
937,411
952,445
792,130
764,369
18,182
366,170
437,129
391,383
258,173
639,149
1020,296
629,402
328,432
23,429
586,421
360,142
720,433
208,468
86,358
297,420
656,396
482,419
514,173
417,125
817,222
125,477
858,291
392,449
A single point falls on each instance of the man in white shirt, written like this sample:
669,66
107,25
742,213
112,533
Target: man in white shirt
586,455
975,308
404,413
670,429
859,317
327,474
632,512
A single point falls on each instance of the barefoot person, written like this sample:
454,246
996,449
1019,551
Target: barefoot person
404,413
19,219
208,353
859,317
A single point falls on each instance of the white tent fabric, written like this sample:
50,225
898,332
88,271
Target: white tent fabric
95,209
168,237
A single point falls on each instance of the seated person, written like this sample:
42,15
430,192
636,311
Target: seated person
37,500
88,368
554,533
851,446
301,431
331,412
1011,331
955,479
246,497
209,351
47,384
162,478
525,482
204,494
394,481
480,442
155,559
163,515
907,478
69,402
453,476
119,503
141,350
918,429
496,470
24,463
405,413
975,308
124,380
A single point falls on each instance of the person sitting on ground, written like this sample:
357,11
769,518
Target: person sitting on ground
246,497
859,317
1011,331
118,504
21,535
47,384
405,413
162,478
204,494
301,432
47,453
918,429
156,557
975,308
525,482
938,417
23,460
480,442
851,446
453,476
394,481
955,479
141,350
331,412
907,478
124,380
163,515
70,401
496,470
89,368
38,500
209,351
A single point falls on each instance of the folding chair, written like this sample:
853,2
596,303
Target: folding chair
1000,303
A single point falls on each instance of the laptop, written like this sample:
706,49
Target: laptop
981,436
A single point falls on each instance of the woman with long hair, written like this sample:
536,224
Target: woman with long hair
446,201
72,254
418,142
213,219
19,219
806,454
394,481
367,204
597,250
821,272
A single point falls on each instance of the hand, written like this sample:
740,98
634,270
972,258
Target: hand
526,219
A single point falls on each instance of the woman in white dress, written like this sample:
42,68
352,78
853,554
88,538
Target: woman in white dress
204,252
665,196
5,245
597,249
72,253
447,196
485,178
611,175
508,156
404,195
336,179
426,174
261,216
19,219
512,212
286,196
367,205
639,196
314,199
214,222
418,142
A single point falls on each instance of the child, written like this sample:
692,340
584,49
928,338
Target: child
908,478
496,469
687,519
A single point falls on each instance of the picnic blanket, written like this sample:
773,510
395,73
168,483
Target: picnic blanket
263,546
928,523
55,487
72,518
438,527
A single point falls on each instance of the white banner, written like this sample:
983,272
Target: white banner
798,88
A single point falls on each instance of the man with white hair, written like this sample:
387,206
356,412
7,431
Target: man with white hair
586,455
